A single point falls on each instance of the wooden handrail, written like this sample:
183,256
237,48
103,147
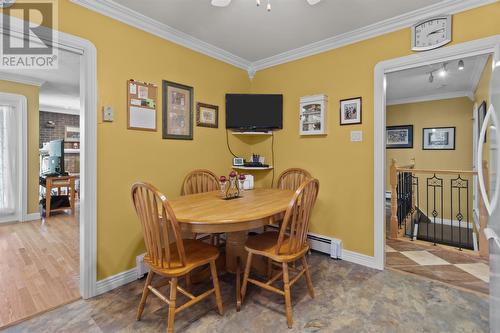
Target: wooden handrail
437,171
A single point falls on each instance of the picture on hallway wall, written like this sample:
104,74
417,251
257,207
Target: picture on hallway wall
398,137
350,111
177,111
438,138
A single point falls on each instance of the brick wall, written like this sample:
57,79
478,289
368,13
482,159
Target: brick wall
48,133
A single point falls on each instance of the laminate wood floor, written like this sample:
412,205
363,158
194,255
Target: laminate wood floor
39,266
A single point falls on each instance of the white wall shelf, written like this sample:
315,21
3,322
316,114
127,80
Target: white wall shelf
253,133
251,168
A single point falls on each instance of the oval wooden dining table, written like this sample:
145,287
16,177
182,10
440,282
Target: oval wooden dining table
209,213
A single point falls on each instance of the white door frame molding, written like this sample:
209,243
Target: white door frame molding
489,45
21,104
88,149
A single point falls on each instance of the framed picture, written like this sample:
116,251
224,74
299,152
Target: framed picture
399,137
72,134
350,111
481,114
207,115
438,138
177,111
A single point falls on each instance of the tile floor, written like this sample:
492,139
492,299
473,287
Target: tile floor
459,268
349,298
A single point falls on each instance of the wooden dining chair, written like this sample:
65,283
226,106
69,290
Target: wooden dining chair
290,179
201,181
168,254
289,245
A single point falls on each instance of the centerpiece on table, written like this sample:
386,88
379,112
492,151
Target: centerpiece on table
233,187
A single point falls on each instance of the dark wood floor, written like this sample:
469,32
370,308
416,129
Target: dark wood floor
39,266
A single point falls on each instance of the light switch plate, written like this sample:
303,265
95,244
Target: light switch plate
108,113
356,136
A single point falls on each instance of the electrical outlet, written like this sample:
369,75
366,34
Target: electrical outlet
108,113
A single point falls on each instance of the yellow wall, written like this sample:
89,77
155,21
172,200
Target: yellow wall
482,92
345,170
126,156
31,94
456,112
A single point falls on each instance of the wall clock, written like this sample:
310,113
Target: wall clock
431,33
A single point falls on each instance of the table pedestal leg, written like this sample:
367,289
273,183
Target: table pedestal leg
238,284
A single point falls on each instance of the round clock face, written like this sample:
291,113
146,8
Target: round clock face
431,33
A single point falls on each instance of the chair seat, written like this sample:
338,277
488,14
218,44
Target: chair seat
265,245
197,253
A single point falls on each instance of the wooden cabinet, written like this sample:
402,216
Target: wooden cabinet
313,115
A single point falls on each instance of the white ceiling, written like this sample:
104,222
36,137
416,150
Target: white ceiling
60,88
252,33
413,85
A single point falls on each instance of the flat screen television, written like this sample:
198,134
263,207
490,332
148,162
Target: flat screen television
54,162
252,112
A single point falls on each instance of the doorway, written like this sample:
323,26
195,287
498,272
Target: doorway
447,54
88,151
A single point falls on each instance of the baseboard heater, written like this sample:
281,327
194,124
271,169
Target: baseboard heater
327,245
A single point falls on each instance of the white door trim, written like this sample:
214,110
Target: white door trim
21,104
480,46
88,151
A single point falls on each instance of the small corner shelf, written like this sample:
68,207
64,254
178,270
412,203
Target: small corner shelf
253,133
251,168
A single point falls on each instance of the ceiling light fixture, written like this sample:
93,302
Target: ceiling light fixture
461,65
268,5
431,77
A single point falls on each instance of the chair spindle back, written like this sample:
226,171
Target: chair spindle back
200,181
297,217
291,179
159,226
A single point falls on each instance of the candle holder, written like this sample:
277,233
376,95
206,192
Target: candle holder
231,188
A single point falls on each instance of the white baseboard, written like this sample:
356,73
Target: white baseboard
32,217
116,281
321,243
360,259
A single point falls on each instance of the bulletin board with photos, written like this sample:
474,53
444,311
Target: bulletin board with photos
141,105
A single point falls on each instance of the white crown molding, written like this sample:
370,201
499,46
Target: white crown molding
477,71
58,109
123,14
128,16
435,97
21,79
370,31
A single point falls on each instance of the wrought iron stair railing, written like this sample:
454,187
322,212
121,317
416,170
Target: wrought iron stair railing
434,206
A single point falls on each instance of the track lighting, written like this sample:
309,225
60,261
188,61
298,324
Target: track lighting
461,65
258,3
268,5
431,77
443,71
